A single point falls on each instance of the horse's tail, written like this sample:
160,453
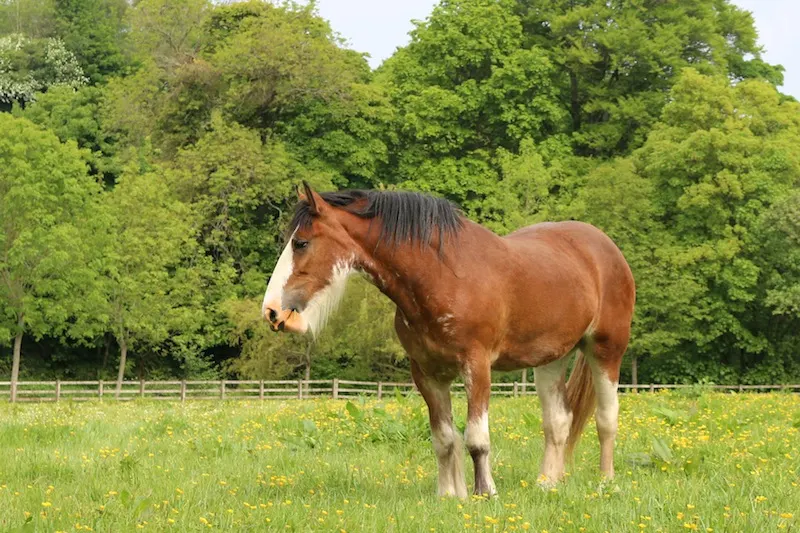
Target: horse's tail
581,400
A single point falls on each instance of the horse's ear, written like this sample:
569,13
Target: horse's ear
315,201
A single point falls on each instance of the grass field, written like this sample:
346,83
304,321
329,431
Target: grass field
691,461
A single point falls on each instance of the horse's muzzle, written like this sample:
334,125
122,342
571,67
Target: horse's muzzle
288,320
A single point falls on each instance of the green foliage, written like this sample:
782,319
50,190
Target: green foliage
94,30
465,87
31,65
618,60
75,115
281,59
168,33
690,213
238,186
151,241
48,203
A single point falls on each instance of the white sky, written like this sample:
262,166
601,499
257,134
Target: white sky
378,27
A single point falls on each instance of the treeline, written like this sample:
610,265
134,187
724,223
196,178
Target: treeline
148,154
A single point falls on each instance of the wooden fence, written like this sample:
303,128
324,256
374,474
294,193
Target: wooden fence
44,391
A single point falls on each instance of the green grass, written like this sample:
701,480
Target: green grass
692,461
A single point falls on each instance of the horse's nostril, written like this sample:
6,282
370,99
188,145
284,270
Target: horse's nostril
273,315
281,326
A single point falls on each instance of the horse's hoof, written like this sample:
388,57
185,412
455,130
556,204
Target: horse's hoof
486,494
546,483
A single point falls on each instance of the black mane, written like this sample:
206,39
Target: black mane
405,217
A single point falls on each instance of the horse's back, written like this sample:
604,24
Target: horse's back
583,263
584,243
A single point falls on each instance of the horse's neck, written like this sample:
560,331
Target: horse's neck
404,276
414,277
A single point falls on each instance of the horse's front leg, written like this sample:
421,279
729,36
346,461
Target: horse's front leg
446,440
478,380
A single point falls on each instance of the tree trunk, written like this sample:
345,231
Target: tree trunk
123,356
17,354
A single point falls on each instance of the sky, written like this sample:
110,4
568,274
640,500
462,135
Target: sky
378,27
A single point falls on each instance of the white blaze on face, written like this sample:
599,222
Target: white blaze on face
280,276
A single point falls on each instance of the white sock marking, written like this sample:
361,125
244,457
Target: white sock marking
477,433
556,417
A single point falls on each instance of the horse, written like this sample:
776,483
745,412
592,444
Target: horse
469,301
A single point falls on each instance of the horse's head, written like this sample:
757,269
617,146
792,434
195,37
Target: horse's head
312,271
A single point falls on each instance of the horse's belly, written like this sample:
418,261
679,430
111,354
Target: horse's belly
537,353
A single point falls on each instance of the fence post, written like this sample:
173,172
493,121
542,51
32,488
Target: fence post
335,388
222,389
380,390
183,390
141,388
58,389
100,389
652,387
299,389
741,388
516,389
261,390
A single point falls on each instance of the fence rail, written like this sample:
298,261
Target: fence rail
54,391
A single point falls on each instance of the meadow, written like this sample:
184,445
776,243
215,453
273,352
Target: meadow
692,460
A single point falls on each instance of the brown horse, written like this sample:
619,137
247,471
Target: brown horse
468,302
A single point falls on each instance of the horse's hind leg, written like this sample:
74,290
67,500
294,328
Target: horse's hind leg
556,417
604,359
446,440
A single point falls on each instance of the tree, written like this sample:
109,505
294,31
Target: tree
239,185
48,200
281,59
168,33
151,241
95,31
617,60
76,115
466,87
28,66
720,159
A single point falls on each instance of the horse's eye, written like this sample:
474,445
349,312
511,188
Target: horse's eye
298,244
